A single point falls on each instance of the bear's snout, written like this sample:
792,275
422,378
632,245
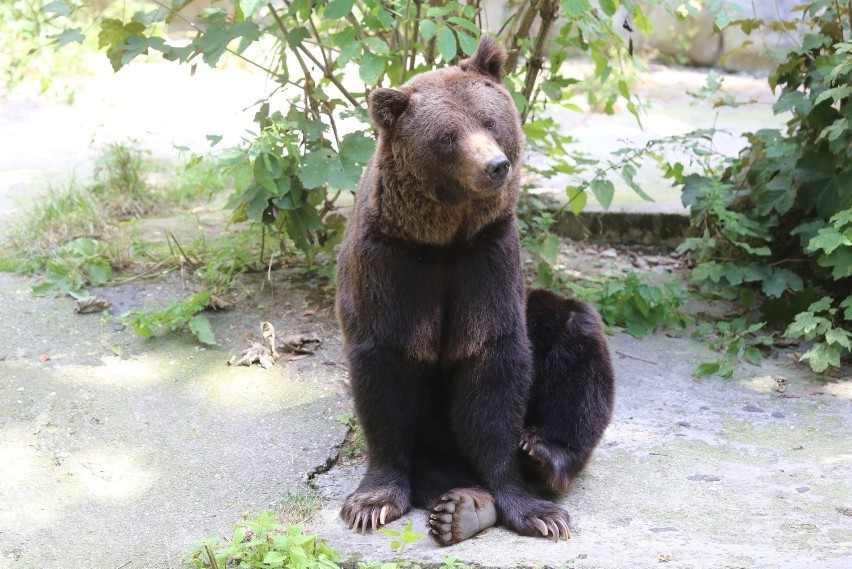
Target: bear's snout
498,168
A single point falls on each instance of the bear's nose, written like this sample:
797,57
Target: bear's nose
498,168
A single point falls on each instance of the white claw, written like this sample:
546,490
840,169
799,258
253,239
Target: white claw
382,515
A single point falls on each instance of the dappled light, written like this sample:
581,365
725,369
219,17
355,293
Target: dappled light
278,257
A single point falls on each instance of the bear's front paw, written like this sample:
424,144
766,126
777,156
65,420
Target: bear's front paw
374,508
536,517
461,514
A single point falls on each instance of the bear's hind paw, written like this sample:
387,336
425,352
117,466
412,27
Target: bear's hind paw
461,514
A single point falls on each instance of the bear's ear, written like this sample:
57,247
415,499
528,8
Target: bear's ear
385,107
488,59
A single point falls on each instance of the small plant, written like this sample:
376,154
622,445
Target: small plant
74,266
183,313
633,303
824,323
300,506
404,537
355,447
534,222
735,340
259,542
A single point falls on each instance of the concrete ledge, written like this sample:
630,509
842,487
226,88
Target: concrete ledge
653,229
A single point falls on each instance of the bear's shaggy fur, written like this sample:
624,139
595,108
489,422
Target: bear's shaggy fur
462,380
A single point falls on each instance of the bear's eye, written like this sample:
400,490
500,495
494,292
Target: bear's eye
490,124
448,138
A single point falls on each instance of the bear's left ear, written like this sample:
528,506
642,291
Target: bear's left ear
385,107
488,59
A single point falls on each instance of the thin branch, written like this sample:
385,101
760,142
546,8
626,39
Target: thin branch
522,32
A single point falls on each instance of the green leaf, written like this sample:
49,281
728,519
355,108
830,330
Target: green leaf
603,191
705,369
73,35
643,24
609,6
274,557
99,271
337,9
315,165
200,326
447,44
840,337
466,24
722,19
296,36
427,29
57,8
828,240
550,248
372,68
752,356
249,7
377,46
467,42
357,147
576,199
577,8
820,356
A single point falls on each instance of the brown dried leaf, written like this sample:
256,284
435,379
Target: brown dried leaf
44,358
300,344
254,353
92,304
666,557
217,303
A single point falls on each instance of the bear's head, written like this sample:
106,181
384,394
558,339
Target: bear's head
454,133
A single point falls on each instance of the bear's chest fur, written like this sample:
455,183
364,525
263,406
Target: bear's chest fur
434,303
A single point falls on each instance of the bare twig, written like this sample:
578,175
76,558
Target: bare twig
625,355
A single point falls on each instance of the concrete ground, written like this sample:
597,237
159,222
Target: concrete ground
691,473
124,461
127,460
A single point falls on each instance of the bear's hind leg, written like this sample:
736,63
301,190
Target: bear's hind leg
573,391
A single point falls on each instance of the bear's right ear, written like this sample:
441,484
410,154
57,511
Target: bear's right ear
386,105
488,59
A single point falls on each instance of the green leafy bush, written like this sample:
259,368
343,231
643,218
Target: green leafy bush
325,56
775,230
633,303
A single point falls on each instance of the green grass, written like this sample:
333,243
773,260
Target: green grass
127,186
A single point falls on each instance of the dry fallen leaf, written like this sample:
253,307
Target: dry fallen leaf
44,358
254,353
300,344
217,303
666,557
92,304
257,352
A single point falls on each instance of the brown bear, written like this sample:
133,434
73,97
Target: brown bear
467,387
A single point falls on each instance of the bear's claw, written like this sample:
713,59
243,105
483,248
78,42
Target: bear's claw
371,510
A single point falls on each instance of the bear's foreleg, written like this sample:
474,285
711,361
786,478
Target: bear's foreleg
388,388
488,402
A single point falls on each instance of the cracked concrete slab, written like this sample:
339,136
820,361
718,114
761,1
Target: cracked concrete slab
705,473
126,461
